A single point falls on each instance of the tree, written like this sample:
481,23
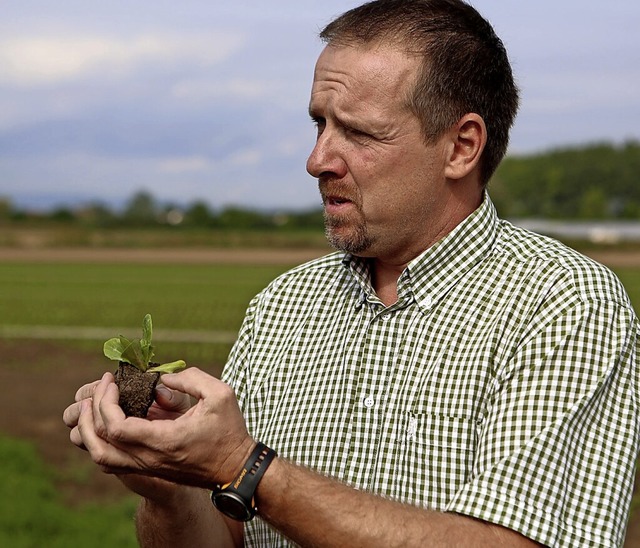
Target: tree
141,209
199,214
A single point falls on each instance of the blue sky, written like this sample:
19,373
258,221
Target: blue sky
206,99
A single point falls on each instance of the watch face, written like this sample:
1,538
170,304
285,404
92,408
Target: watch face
232,505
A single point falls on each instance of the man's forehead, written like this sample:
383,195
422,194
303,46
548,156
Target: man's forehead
382,68
375,58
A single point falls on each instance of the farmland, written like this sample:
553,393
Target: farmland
57,308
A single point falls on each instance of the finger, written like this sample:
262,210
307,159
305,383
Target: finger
76,438
110,459
86,391
172,400
108,406
84,434
192,381
116,428
96,421
70,415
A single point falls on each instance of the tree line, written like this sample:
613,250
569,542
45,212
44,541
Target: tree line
596,181
144,210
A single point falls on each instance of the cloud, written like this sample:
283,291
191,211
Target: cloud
246,157
206,90
184,164
33,61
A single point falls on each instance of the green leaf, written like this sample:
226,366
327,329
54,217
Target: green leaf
147,351
134,354
139,352
113,349
147,329
172,367
145,342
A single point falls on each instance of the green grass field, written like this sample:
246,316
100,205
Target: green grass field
185,298
32,513
178,296
203,298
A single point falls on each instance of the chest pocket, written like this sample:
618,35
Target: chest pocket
433,458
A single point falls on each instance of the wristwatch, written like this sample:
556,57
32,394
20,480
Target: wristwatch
236,499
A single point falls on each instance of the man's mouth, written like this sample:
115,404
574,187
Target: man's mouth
337,200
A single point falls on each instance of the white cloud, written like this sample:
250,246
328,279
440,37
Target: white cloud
300,146
205,90
28,61
567,90
184,164
246,157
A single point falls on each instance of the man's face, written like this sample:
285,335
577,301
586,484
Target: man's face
382,186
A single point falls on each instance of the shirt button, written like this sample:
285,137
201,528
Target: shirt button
369,402
386,317
428,301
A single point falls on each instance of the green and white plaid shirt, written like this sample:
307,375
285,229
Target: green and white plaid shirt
502,385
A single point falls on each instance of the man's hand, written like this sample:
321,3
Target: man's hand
165,506
169,404
205,445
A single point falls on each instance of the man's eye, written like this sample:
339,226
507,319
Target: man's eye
358,134
319,124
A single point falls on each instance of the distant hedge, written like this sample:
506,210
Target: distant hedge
599,181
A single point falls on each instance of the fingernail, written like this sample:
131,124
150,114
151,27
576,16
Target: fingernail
161,389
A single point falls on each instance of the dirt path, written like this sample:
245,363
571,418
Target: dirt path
612,258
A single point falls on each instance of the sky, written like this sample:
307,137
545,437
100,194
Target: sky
206,100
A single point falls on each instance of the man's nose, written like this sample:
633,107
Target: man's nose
327,157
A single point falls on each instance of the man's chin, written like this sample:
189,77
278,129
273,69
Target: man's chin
351,241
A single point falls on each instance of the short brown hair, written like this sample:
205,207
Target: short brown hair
465,65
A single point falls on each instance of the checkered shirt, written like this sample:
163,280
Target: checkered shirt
502,385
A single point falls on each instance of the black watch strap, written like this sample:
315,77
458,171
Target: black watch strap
236,499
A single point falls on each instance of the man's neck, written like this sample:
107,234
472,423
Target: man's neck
384,278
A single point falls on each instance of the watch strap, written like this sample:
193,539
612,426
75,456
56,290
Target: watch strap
246,482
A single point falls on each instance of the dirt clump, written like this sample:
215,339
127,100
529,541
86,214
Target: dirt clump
137,389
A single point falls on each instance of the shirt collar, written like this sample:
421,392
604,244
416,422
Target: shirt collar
429,276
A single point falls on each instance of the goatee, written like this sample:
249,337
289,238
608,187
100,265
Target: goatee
352,237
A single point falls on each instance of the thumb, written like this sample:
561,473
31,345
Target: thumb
192,381
172,400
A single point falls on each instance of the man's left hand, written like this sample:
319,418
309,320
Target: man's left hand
206,445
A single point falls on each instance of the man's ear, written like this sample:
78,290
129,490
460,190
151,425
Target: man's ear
468,138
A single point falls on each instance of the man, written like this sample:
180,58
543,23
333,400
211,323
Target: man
445,380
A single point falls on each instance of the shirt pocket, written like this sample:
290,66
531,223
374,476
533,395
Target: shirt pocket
434,458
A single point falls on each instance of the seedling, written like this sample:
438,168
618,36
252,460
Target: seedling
137,376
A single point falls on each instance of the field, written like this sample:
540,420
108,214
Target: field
58,306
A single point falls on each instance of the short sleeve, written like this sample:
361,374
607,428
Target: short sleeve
235,370
558,443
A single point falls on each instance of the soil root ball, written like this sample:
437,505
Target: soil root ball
137,389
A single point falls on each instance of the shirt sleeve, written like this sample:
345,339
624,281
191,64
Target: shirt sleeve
557,445
235,372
